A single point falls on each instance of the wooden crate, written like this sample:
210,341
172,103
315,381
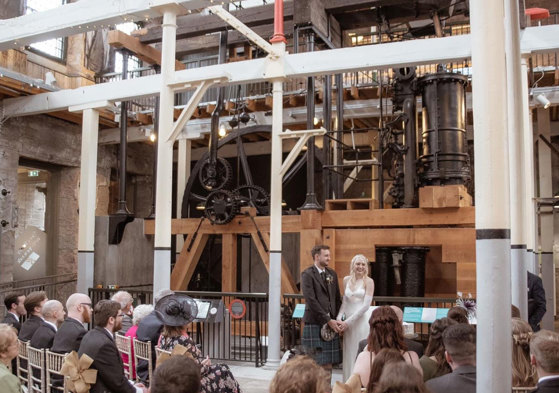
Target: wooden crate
444,196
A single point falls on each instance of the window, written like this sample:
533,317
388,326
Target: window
133,61
55,47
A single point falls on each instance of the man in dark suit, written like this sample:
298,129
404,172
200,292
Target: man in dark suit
53,314
460,344
322,302
149,329
33,306
544,348
14,309
69,337
99,344
536,301
414,346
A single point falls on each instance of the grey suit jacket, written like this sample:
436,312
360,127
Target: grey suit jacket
43,336
29,327
548,386
11,320
69,336
461,380
322,300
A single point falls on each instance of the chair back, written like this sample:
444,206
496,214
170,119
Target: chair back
523,389
55,381
21,362
36,369
159,351
142,351
124,345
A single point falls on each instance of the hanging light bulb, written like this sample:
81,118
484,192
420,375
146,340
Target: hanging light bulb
316,120
152,137
222,130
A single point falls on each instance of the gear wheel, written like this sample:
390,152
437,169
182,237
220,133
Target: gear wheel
213,179
254,196
221,207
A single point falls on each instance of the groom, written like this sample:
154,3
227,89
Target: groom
322,302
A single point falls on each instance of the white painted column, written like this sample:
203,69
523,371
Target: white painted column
546,218
515,103
164,184
274,290
88,196
529,176
183,173
492,197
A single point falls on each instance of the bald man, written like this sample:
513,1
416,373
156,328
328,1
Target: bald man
53,315
69,337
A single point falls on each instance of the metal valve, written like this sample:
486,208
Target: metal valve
4,223
4,192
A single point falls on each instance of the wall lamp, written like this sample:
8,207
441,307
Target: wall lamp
543,101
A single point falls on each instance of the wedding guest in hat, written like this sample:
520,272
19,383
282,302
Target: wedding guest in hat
176,312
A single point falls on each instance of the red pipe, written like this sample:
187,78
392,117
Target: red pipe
278,23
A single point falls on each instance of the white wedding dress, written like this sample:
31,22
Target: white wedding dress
356,310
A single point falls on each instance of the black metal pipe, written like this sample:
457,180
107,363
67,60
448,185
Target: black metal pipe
155,146
381,150
310,201
411,152
327,123
122,208
339,133
214,135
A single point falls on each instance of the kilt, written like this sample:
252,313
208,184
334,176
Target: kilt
323,352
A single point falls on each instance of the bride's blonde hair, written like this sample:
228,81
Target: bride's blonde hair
357,258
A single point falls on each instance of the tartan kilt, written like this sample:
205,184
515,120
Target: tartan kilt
323,352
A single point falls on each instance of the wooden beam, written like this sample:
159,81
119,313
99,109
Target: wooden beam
187,261
288,284
229,262
149,54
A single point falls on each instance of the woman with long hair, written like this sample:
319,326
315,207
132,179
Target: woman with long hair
523,373
385,332
354,313
433,362
301,374
383,358
176,311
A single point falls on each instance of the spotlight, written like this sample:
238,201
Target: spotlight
152,137
233,122
222,130
316,120
543,101
200,207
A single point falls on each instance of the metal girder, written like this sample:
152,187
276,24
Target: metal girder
380,56
303,136
83,16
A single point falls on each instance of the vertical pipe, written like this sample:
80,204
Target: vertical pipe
492,198
164,185
214,137
278,23
88,195
327,113
122,208
545,183
183,173
515,104
529,188
310,201
155,145
410,142
339,133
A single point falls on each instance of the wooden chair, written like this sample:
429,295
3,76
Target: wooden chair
142,351
36,369
124,346
55,381
21,363
523,390
159,352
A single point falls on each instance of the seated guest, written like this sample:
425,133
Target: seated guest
176,312
301,374
178,374
99,345
544,355
410,344
33,305
125,300
14,309
523,374
460,345
149,329
139,313
459,314
53,314
385,332
400,377
69,337
514,311
384,356
8,351
434,363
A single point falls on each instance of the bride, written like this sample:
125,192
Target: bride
354,312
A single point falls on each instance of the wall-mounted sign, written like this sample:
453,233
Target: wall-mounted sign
237,309
33,173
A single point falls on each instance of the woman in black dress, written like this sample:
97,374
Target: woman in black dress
176,312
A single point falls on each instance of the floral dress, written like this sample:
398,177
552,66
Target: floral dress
215,378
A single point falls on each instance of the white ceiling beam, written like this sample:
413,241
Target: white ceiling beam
82,16
397,54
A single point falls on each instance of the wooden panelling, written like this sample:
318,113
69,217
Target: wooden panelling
309,239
